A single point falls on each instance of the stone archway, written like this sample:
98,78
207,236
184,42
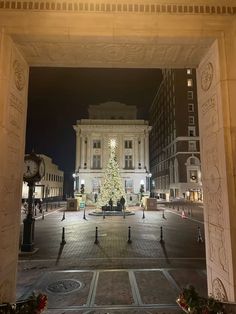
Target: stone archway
125,34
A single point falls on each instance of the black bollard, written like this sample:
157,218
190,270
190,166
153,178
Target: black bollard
124,213
63,216
63,241
129,235
46,206
42,214
103,214
199,237
84,217
161,236
96,236
143,214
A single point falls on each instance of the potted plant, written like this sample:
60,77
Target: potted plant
190,302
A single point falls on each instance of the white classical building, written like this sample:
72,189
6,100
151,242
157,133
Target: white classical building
93,135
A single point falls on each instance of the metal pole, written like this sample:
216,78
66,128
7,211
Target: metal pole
42,214
129,235
63,216
161,236
104,216
28,230
143,214
63,241
96,236
84,213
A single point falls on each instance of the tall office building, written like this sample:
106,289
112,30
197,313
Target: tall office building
174,138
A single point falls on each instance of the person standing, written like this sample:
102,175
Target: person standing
122,202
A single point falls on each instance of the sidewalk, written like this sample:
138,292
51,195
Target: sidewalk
113,276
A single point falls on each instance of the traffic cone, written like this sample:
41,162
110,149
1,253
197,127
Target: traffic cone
183,214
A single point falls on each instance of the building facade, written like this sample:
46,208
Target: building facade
174,138
51,185
93,136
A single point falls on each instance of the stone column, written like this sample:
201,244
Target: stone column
136,153
89,161
78,149
142,160
146,145
217,122
82,151
13,107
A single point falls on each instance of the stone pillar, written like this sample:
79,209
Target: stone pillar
13,107
142,160
136,153
82,151
78,149
89,161
146,145
217,121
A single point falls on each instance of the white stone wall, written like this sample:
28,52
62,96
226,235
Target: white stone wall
13,104
217,134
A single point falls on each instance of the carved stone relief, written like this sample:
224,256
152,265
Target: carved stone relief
207,76
218,290
19,75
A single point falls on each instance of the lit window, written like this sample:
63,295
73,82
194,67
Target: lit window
190,95
189,71
192,148
191,119
96,161
96,144
190,107
128,144
128,161
193,176
190,82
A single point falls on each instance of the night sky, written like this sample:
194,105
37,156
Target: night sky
60,96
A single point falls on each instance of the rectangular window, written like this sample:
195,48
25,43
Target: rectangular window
190,95
191,119
96,161
191,131
189,71
190,82
192,146
190,107
128,144
96,144
128,161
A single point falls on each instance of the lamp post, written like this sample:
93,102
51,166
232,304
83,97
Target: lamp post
149,175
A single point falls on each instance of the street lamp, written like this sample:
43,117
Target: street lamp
149,175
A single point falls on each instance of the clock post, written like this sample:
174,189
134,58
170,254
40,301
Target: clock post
33,172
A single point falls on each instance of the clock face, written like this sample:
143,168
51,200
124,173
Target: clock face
42,168
30,169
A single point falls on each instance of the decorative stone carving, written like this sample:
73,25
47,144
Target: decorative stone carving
19,75
147,8
207,76
218,290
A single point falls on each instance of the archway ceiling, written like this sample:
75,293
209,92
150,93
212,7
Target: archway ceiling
126,52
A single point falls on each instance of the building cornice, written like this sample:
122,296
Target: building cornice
144,7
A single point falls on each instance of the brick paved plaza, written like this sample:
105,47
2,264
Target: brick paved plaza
115,276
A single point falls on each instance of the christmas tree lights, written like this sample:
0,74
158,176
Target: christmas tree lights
112,186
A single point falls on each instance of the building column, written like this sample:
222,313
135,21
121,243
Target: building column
83,151
146,145
142,160
89,161
216,78
78,150
136,159
14,73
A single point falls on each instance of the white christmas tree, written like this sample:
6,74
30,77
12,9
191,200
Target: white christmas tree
112,186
